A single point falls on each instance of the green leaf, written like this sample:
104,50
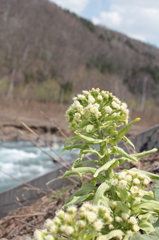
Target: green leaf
153,205
128,141
78,199
84,163
100,178
139,236
70,140
85,189
151,175
90,139
79,171
156,224
90,128
120,151
114,233
91,236
146,226
156,191
125,129
156,232
94,151
122,193
105,167
83,124
144,154
100,192
122,207
79,146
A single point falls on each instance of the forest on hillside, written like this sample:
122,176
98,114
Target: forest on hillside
48,54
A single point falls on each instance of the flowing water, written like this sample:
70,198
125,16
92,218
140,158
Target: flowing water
24,161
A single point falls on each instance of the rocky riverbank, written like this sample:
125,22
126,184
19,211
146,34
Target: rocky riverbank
38,133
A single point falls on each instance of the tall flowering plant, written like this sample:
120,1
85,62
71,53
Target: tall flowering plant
112,205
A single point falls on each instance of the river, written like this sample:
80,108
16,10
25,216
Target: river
23,161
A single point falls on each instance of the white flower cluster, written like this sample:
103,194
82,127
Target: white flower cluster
96,105
95,219
134,182
75,222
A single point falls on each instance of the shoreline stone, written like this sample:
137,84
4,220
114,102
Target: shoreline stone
45,134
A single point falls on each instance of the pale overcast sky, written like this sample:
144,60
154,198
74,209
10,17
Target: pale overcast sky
138,19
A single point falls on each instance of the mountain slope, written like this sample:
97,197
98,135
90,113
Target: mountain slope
47,54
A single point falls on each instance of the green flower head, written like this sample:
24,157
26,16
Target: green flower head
96,107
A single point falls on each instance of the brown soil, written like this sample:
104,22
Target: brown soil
23,221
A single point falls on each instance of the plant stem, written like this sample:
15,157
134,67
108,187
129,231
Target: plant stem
104,151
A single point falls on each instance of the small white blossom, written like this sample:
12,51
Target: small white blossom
94,109
77,104
129,233
134,189
141,192
98,225
98,114
53,228
96,90
49,237
86,205
96,105
57,221
83,111
104,94
69,230
135,228
68,217
150,193
77,116
122,184
79,108
63,228
108,218
112,204
81,97
102,237
99,98
48,223
121,175
132,173
103,209
74,98
136,181
114,182
118,219
128,178
60,214
125,216
124,110
141,176
72,209
85,92
108,109
38,235
146,181
116,100
115,105
91,216
111,227
124,105
81,223
91,99
132,220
